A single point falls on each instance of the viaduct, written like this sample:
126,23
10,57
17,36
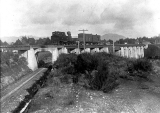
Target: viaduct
31,52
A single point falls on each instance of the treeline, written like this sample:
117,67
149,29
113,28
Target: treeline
31,41
3,43
47,41
138,40
28,41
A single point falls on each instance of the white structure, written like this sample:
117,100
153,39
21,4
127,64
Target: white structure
132,52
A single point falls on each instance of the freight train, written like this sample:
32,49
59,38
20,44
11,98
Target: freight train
60,38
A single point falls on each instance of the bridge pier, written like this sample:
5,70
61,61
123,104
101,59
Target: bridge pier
95,50
125,52
76,51
122,51
88,50
130,52
63,50
32,61
30,58
55,54
105,49
142,51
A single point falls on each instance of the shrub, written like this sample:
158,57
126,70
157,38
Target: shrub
152,51
109,85
100,77
140,68
85,62
65,60
101,71
12,66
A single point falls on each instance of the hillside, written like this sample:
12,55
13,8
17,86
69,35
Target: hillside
112,36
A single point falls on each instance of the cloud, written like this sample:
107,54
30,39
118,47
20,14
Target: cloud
77,14
40,13
127,16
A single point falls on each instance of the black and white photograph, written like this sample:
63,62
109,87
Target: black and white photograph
80,56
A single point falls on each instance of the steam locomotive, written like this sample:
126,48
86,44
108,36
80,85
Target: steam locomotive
60,38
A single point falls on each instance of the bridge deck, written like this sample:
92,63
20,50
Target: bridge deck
27,47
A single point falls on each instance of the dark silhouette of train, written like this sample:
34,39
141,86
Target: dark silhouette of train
60,38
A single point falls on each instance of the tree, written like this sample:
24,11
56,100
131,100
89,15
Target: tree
5,43
24,40
1,43
31,41
40,41
18,42
47,41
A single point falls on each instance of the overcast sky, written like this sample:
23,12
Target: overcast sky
131,18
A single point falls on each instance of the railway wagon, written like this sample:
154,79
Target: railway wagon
60,38
89,38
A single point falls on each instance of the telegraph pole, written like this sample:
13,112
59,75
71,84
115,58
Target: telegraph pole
113,47
84,38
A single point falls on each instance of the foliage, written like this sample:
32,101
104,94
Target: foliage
152,51
140,68
139,40
24,40
3,43
65,59
18,42
66,62
12,67
100,77
101,71
85,62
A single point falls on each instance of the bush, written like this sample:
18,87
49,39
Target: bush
101,71
12,66
152,51
86,62
97,81
140,68
65,60
109,85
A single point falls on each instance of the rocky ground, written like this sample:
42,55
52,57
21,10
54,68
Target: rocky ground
129,97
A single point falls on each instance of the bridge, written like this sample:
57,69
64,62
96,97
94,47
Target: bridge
31,52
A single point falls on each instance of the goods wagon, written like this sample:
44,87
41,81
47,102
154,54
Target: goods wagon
60,38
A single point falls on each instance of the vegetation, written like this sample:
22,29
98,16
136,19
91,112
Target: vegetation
3,43
140,68
139,40
31,41
152,52
101,71
12,68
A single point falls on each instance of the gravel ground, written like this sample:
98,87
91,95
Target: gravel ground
75,99
11,103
